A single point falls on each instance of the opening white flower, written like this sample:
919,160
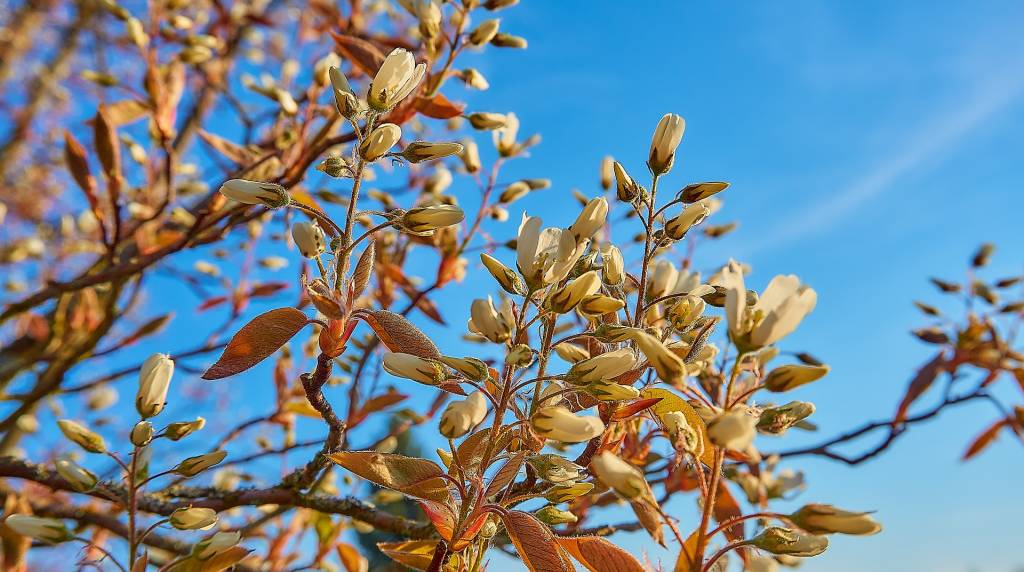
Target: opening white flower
397,77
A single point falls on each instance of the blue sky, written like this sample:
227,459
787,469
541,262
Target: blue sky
870,145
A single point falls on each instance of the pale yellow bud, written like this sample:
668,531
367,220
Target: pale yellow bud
48,530
192,466
487,121
626,188
461,416
485,32
558,423
611,391
666,138
415,368
471,368
776,420
470,155
625,479
506,277
101,397
504,137
668,365
503,40
733,430
154,381
613,270
429,15
605,366
607,172
216,544
380,141
309,239
683,435
136,33
419,151
566,493
692,215
519,356
514,192
193,518
474,79
590,220
571,352
182,429
142,434
254,193
397,77
686,311
82,436
345,99
599,305
438,181
495,325
787,377
785,541
428,219
827,519
553,516
80,479
661,279
569,296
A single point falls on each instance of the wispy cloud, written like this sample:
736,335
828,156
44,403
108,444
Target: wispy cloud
939,136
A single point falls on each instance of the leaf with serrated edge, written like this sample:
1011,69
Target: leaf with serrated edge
398,334
257,341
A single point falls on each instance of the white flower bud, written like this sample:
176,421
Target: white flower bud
613,271
154,381
590,220
192,466
691,216
474,79
605,366
506,277
80,478
380,141
495,325
309,239
48,530
733,429
611,391
569,296
246,192
461,416
487,121
142,434
555,469
554,516
82,436
626,188
787,377
558,423
514,192
666,138
622,477
397,77
415,368
193,518
599,305
669,366
607,172
826,519
471,368
470,155
419,151
216,544
661,279
427,219
485,32
571,353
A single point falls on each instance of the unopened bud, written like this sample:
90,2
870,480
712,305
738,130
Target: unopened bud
380,141
182,429
48,530
77,476
82,436
785,541
192,466
552,516
270,195
776,420
666,138
787,377
193,518
142,433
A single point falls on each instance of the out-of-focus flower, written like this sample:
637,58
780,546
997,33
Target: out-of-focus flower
505,136
216,544
733,429
778,311
82,436
558,423
485,120
791,376
48,530
79,477
776,420
485,32
397,77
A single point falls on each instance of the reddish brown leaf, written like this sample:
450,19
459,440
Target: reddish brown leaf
599,555
986,438
107,147
149,328
267,289
415,477
125,112
350,557
74,156
726,507
627,411
443,519
687,554
212,303
398,334
364,55
919,385
415,554
505,475
236,153
378,403
439,107
256,341
534,542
